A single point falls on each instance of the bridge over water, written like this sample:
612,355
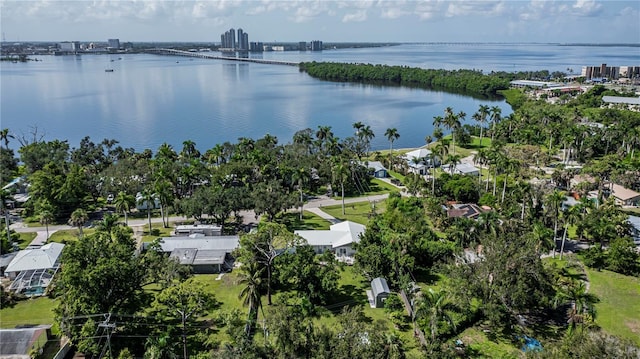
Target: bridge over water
208,55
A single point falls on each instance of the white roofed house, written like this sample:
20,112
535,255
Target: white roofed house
419,161
339,239
33,269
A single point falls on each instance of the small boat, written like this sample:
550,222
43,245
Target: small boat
108,70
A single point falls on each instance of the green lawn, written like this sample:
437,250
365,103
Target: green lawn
27,312
482,347
618,311
69,235
26,238
356,212
309,221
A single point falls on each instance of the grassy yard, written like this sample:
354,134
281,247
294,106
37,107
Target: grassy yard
618,311
25,239
69,235
356,212
309,221
27,312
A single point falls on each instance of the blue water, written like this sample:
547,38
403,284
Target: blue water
150,99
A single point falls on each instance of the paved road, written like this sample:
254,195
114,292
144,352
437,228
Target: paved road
249,217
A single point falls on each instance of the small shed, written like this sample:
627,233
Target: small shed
380,291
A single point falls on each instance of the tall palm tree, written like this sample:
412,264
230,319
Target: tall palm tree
495,112
147,198
392,135
107,223
46,216
340,173
164,194
189,150
301,176
543,236
78,218
123,203
435,307
554,201
452,122
441,151
367,135
251,282
483,112
571,216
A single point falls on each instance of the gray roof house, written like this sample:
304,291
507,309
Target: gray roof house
379,292
339,239
463,169
206,229
33,269
18,342
378,170
205,254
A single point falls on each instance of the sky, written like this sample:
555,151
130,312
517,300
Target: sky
575,21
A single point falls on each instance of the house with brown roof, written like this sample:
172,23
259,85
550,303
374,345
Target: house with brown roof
624,196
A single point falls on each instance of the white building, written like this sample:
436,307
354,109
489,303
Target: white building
33,269
338,239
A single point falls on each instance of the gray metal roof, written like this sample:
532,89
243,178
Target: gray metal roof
192,256
218,243
620,99
37,258
379,285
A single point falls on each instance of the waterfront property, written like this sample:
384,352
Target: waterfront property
419,161
377,169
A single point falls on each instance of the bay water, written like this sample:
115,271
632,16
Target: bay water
151,99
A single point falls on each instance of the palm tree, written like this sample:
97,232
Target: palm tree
441,151
367,135
340,173
543,236
452,122
147,199
483,112
301,176
123,203
554,201
108,222
5,136
164,194
495,117
453,161
78,218
46,216
189,150
251,280
392,135
571,216
581,302
435,307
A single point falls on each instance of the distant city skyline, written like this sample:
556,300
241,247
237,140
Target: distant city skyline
577,21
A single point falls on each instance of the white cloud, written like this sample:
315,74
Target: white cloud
427,9
358,16
586,7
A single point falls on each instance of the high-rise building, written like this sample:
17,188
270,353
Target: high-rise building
256,47
240,38
302,46
113,43
316,45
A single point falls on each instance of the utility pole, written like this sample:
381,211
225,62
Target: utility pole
108,330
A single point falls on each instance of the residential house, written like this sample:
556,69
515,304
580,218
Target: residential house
379,292
339,238
205,254
206,229
465,169
624,196
419,161
376,169
18,343
33,269
468,210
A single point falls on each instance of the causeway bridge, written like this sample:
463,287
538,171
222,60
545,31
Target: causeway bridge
208,55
